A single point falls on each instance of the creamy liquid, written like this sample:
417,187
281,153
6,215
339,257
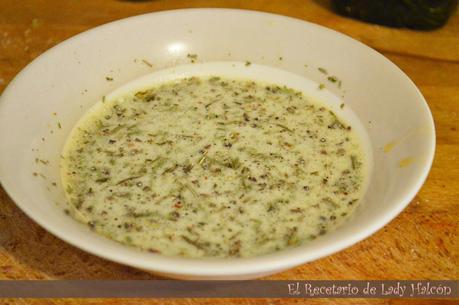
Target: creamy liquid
212,167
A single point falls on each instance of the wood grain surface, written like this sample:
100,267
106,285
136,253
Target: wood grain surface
421,243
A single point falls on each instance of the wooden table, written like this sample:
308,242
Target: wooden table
421,243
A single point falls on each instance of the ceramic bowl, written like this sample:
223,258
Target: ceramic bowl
41,105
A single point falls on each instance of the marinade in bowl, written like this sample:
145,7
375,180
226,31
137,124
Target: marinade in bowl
212,167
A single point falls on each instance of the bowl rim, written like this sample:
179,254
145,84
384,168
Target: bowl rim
229,266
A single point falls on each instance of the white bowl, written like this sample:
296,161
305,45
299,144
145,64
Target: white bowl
69,78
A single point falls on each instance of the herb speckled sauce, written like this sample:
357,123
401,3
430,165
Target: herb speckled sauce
212,167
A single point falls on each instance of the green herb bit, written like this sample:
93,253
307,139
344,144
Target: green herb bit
283,127
321,86
253,153
192,57
109,78
247,63
322,231
336,124
102,180
147,63
262,239
129,179
173,216
210,104
214,79
291,237
204,151
322,70
187,167
164,142
114,130
245,185
273,206
332,79
256,223
137,131
100,124
351,202
142,214
140,94
201,161
234,163
330,202
355,162
170,169
69,189
191,189
157,163
194,243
